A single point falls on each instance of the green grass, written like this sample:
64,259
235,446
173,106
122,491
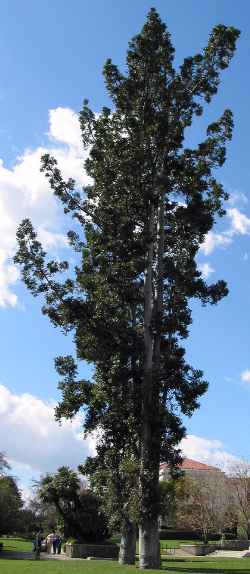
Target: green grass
16,544
171,566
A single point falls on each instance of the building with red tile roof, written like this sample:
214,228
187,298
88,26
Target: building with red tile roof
192,468
209,478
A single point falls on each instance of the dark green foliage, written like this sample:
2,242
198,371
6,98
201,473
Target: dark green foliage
39,514
10,505
77,506
167,501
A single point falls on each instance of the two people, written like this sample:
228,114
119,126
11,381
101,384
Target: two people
54,543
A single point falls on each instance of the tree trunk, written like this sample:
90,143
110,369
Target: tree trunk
149,545
204,536
159,290
128,543
149,469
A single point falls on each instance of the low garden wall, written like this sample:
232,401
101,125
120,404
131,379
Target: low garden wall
95,550
204,549
199,549
235,545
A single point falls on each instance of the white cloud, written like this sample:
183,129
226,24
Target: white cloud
65,128
245,376
8,276
33,441
206,269
240,223
214,240
208,451
25,192
237,198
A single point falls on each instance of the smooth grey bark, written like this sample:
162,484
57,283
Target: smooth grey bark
149,472
159,285
149,545
127,551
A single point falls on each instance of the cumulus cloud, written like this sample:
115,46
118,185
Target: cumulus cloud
240,223
64,127
208,451
237,198
214,240
206,269
33,441
245,376
25,192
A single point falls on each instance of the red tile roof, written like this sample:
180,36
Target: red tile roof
189,464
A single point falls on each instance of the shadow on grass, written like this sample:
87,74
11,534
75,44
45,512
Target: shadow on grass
205,569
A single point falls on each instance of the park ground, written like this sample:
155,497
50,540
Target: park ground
172,565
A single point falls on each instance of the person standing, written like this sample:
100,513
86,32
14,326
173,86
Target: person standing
50,542
59,544
55,543
37,544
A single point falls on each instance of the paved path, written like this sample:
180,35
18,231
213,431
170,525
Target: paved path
10,555
230,554
62,556
216,554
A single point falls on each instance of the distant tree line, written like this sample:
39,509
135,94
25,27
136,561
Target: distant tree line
11,503
59,501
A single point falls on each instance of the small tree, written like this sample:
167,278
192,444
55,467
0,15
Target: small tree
240,493
167,503
40,513
203,504
78,507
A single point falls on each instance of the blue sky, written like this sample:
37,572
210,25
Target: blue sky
52,54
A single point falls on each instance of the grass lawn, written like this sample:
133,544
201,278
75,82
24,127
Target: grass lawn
172,566
16,544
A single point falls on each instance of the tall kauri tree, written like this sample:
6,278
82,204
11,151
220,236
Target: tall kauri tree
142,221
